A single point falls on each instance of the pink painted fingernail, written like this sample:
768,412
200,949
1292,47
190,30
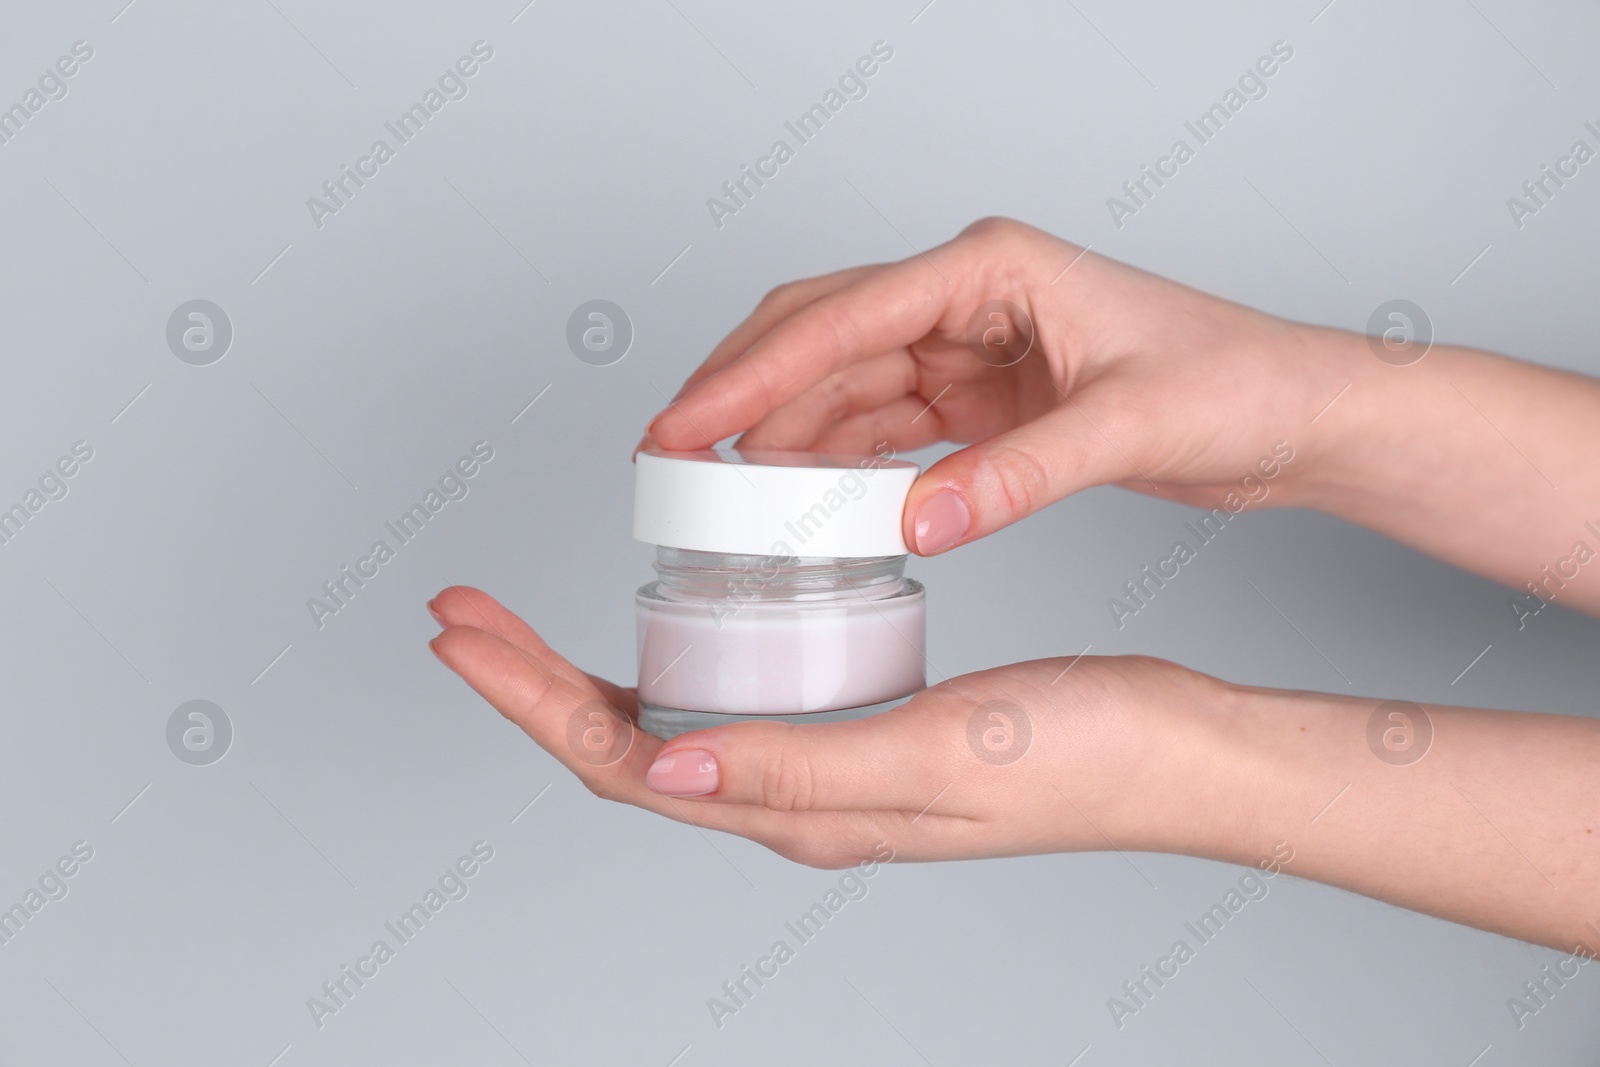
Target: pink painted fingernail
644,442
941,521
688,772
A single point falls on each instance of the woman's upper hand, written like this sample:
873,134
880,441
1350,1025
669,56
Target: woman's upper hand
1096,373
1030,758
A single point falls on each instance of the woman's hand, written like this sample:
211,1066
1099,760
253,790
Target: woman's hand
1484,817
1047,756
1122,377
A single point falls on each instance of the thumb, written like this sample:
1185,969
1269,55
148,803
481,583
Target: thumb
897,760
991,484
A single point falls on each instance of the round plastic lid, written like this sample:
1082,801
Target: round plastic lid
772,503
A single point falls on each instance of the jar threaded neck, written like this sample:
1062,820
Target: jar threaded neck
685,574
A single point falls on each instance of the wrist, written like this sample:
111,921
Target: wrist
1325,419
1225,772
1379,438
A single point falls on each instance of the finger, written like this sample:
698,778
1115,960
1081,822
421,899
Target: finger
995,482
905,424
899,760
624,700
576,725
531,695
776,306
462,605
557,706
864,386
964,410
574,722
878,313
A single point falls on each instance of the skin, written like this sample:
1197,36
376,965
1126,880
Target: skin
1136,381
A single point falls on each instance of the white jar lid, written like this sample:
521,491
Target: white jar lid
772,503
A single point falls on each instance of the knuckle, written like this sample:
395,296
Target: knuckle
991,226
1004,233
530,685
818,857
832,849
783,295
1018,479
786,776
807,850
837,396
837,326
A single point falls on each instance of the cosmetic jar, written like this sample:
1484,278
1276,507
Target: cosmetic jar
780,590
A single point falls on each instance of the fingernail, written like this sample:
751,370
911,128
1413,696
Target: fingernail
941,521
644,442
688,772
435,613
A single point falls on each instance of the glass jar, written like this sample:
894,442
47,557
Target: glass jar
725,635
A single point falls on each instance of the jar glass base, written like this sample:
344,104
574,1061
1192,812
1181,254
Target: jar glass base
667,723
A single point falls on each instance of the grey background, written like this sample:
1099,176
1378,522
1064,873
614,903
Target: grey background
426,315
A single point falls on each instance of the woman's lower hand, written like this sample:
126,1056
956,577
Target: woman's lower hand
1047,756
